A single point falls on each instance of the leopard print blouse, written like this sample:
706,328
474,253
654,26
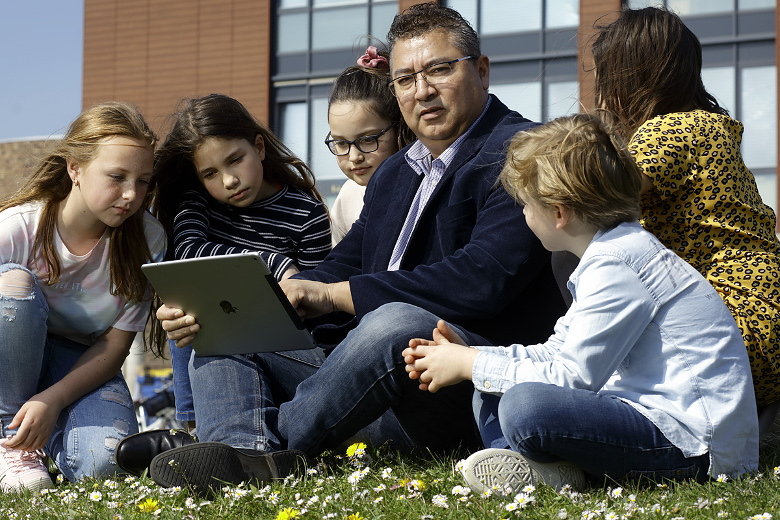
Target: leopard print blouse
705,206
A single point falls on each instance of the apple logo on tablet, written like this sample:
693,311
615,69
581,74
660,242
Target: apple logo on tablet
227,307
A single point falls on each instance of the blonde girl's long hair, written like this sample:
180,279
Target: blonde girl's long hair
50,184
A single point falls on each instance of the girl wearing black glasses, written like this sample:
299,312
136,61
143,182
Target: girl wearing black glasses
366,128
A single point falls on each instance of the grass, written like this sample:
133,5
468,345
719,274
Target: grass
386,485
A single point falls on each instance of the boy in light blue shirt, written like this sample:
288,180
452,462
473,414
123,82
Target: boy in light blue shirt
646,375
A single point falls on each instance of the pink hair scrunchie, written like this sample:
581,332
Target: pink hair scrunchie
372,59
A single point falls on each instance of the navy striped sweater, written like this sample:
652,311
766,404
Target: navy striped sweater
288,227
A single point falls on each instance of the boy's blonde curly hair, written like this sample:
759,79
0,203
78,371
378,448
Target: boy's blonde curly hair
575,162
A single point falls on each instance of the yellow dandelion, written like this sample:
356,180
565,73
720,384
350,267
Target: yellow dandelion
287,513
148,506
413,484
355,516
356,449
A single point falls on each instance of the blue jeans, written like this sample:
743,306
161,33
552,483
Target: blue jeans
601,434
31,360
304,400
180,360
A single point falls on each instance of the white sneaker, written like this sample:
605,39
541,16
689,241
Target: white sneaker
22,470
506,472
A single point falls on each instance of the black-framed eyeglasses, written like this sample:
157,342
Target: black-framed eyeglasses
432,74
366,144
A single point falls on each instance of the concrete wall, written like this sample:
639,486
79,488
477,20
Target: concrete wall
18,159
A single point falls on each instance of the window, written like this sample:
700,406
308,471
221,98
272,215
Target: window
738,68
315,41
695,7
699,7
747,5
532,46
491,17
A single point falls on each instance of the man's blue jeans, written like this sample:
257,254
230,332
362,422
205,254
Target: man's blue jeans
304,400
601,434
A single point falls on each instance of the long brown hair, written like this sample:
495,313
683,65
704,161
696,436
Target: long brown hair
648,63
50,183
223,117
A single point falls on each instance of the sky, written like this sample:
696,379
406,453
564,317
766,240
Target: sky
41,56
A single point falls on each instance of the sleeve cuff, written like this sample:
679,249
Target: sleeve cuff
485,374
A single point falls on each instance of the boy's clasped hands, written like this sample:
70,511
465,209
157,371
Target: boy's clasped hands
443,361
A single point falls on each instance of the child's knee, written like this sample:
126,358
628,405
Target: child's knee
527,403
16,283
98,459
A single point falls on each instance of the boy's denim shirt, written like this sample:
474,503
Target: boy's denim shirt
647,328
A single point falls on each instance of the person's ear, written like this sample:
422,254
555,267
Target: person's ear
562,216
260,145
483,68
73,170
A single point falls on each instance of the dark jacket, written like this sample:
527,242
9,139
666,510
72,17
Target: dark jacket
471,260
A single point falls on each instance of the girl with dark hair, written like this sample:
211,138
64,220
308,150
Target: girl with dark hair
228,185
73,298
698,196
366,128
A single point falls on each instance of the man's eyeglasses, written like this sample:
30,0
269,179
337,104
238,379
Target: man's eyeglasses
366,144
432,74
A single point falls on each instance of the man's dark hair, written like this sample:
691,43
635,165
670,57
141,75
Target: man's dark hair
424,18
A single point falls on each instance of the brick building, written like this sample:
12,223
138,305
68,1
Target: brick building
279,58
18,158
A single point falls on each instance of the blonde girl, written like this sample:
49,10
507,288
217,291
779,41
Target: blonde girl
73,297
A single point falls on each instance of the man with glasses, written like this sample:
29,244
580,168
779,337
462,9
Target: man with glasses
436,239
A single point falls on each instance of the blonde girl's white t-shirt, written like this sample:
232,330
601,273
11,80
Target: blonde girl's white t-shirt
346,209
81,306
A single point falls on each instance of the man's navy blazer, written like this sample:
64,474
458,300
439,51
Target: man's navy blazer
471,260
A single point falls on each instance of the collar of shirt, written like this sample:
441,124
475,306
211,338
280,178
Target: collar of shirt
421,160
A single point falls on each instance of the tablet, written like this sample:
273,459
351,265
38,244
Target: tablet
239,305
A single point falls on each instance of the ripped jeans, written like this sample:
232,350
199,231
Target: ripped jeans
82,443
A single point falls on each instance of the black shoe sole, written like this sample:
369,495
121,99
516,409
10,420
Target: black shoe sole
206,467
